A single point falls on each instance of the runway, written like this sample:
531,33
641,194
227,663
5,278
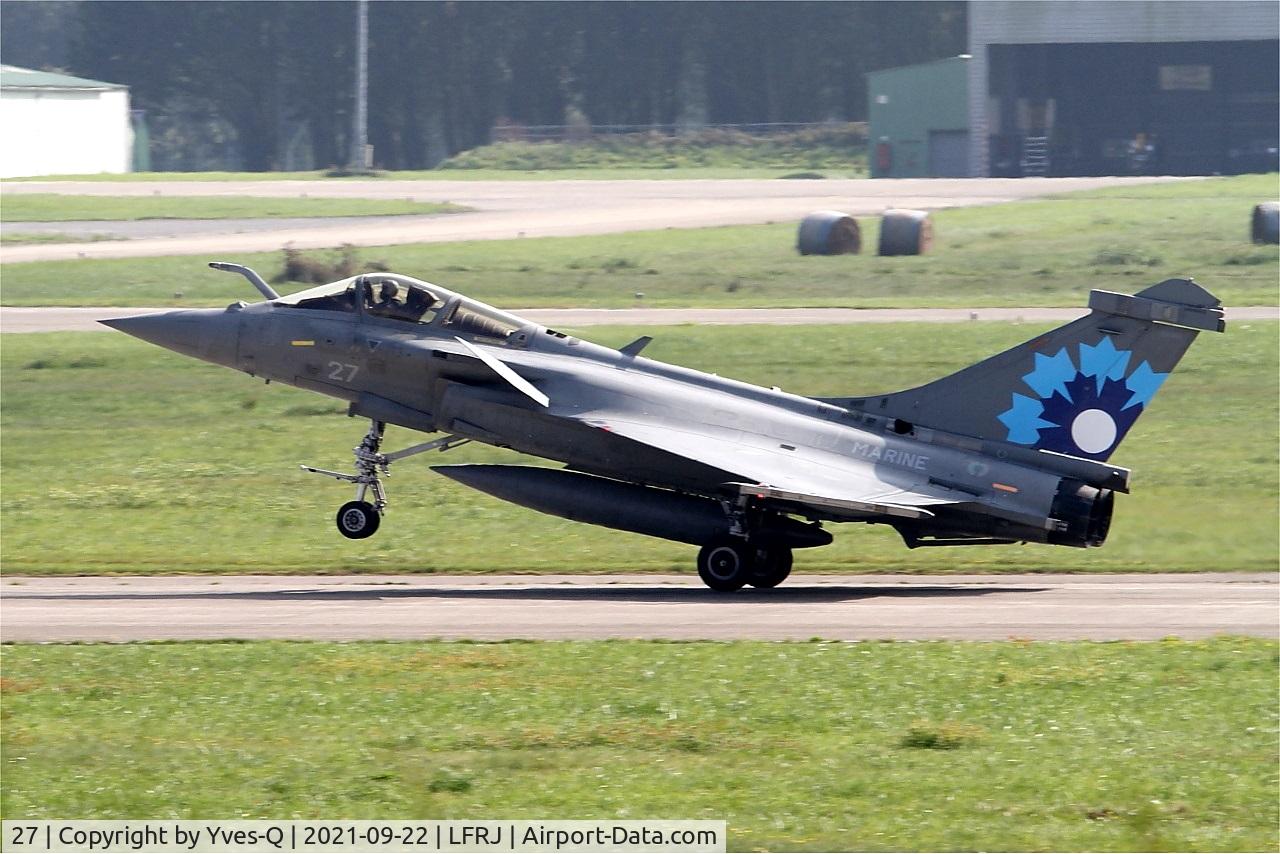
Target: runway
503,210
57,319
677,607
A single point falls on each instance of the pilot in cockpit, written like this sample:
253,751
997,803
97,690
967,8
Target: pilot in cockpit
396,302
384,298
418,302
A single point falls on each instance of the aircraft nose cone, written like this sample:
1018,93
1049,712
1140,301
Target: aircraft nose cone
209,334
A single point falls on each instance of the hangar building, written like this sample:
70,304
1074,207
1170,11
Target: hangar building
55,124
918,120
1095,87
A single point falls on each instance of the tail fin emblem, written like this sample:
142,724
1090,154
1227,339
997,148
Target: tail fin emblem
1084,406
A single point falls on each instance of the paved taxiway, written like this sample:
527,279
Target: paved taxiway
851,607
502,210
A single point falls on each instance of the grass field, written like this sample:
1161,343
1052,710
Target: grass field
122,457
1035,253
841,147
54,207
806,746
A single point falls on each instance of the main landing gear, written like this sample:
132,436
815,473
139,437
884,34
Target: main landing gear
360,518
747,553
730,563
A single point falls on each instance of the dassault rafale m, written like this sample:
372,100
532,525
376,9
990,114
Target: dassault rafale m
1012,449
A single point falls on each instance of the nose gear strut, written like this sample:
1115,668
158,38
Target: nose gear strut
359,518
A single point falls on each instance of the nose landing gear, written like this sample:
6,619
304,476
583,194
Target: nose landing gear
360,518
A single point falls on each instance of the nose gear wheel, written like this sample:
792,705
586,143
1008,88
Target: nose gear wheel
360,518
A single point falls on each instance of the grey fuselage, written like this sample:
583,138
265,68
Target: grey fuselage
418,376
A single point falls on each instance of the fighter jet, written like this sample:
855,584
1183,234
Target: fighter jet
1015,448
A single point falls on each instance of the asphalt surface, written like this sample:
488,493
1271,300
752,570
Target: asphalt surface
503,210
852,607
15,319
134,229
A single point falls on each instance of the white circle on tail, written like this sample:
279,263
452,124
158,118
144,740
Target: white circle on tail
1093,431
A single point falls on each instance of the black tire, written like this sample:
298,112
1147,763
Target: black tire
358,519
726,565
772,566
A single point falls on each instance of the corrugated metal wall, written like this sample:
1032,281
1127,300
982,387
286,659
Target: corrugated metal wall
1019,22
1011,22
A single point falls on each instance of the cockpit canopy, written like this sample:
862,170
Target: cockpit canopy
389,296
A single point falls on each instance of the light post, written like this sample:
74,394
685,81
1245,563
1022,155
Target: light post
360,131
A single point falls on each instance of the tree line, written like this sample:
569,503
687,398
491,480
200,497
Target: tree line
274,81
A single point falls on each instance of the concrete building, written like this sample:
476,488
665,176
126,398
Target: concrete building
918,120
1096,87
55,124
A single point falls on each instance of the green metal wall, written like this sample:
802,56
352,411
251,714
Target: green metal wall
905,105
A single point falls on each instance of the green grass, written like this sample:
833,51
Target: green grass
1265,187
803,746
841,147
1034,253
54,207
120,457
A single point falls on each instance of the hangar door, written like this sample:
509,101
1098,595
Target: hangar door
949,153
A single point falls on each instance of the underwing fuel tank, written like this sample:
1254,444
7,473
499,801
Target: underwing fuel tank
623,506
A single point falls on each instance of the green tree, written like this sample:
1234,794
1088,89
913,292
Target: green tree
442,73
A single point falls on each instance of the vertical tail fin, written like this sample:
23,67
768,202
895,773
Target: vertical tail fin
1077,389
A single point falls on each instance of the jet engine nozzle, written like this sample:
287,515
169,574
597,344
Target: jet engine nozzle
1083,514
